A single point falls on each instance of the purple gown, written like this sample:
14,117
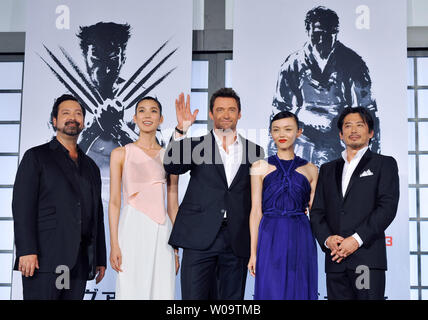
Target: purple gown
286,265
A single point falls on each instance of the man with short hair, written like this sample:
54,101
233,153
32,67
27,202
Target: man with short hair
57,212
103,46
212,224
317,82
356,199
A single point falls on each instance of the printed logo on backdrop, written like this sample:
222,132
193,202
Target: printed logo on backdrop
319,80
323,57
104,93
108,56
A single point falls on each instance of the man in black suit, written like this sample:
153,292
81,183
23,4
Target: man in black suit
57,212
212,224
355,201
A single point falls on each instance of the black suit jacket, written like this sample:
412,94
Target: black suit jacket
47,211
208,196
367,208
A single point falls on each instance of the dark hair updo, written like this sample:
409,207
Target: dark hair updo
283,115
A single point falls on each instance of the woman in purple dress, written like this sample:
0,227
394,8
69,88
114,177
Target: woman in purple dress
283,250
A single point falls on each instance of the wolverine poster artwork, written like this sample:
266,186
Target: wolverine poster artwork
317,82
101,89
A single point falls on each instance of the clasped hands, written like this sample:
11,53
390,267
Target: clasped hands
341,247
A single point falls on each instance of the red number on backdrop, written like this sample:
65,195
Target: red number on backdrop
388,241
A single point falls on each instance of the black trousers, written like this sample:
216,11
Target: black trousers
349,285
215,273
44,286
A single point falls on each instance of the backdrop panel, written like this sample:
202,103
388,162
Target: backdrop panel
273,69
109,53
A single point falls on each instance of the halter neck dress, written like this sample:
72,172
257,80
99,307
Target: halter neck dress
286,265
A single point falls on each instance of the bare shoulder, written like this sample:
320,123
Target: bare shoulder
313,169
118,154
310,171
259,163
259,168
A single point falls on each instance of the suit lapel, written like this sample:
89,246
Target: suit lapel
243,161
87,170
339,172
62,164
218,163
356,174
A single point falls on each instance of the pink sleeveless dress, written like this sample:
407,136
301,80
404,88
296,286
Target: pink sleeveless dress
148,261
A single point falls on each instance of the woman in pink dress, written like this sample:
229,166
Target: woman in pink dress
140,253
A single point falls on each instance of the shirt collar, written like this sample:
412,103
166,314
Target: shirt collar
219,142
358,156
56,144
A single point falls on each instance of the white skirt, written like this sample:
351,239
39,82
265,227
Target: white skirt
148,262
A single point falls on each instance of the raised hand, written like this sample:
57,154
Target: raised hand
185,117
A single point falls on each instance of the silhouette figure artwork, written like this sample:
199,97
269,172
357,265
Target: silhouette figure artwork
317,82
102,91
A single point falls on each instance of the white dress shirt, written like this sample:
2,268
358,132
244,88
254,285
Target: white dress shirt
231,159
348,170
349,167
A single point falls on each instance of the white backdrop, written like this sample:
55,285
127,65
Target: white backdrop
55,24
266,32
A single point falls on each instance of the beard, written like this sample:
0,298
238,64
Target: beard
71,130
356,145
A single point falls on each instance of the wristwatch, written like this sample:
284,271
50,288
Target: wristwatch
180,131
